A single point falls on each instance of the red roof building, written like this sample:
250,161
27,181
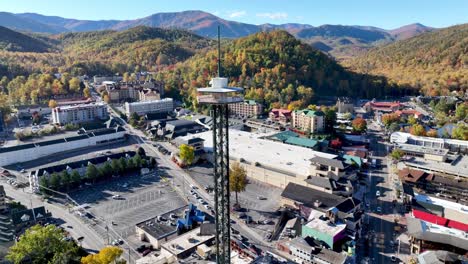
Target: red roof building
408,113
382,106
280,115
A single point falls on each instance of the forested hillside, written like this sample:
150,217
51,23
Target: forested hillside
276,69
14,41
27,76
434,62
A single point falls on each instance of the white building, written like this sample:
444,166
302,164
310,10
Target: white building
32,151
82,113
268,161
453,145
156,106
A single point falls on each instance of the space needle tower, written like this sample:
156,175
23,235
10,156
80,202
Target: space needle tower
219,95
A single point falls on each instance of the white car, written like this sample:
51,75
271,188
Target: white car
377,193
116,196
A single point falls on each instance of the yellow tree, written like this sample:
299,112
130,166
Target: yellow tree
237,179
186,154
431,133
106,255
52,103
87,92
417,130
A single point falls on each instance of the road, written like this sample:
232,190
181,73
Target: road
92,242
381,223
181,182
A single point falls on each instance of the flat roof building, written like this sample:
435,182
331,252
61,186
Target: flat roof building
424,235
184,245
248,108
279,163
452,145
156,106
81,113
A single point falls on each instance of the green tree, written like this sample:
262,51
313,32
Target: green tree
359,124
106,169
186,154
43,182
237,179
460,132
131,164
41,245
123,164
461,113
116,166
91,172
55,181
137,160
75,177
106,255
330,119
397,154
66,179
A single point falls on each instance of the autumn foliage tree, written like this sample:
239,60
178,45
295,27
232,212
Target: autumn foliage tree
237,179
52,103
106,255
388,119
417,130
186,154
359,124
432,133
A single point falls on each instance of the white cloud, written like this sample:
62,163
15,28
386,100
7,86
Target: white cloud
278,15
235,14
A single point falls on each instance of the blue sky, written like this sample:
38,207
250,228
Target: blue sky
386,14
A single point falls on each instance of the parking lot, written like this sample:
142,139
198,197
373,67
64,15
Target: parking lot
140,198
259,200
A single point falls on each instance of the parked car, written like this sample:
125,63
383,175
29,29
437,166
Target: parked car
377,193
261,197
146,252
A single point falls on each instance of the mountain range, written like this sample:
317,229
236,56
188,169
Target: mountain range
338,40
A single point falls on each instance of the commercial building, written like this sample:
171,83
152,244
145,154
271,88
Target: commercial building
344,105
455,167
186,244
165,105
440,212
387,107
283,116
406,113
323,210
120,92
308,120
427,153
441,257
248,108
452,145
310,251
424,235
278,163
171,129
82,113
36,150
444,187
